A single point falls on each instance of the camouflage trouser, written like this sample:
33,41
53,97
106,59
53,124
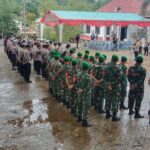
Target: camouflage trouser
123,92
56,88
73,98
99,97
93,96
135,97
84,103
112,99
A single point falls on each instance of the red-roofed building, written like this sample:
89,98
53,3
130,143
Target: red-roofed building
122,6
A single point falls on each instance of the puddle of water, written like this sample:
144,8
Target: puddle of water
37,114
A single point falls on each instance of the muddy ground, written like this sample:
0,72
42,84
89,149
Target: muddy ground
30,119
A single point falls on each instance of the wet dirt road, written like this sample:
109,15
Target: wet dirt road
30,119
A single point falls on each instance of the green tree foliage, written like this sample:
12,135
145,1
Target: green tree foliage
8,12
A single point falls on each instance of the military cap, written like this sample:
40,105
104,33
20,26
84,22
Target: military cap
74,62
85,65
92,57
53,52
124,58
87,51
97,54
139,59
105,56
115,58
57,56
66,58
71,50
101,58
80,54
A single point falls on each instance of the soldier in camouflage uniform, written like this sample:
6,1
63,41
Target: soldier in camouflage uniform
112,78
86,57
79,59
97,54
87,52
57,67
50,67
63,83
71,79
91,63
123,82
84,83
136,77
98,74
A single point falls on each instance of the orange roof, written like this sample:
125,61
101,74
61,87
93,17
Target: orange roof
124,6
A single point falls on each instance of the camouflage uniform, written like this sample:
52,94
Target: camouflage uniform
113,76
136,77
84,82
123,84
98,72
57,67
63,84
72,93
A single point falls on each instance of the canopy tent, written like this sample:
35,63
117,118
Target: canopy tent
74,18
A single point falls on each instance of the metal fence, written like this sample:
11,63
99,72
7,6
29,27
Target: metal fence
107,45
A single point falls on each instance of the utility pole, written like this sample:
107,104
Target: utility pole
25,23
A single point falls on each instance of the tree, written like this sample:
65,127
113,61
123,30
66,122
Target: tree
8,12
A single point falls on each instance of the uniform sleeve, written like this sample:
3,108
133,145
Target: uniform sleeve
130,75
142,77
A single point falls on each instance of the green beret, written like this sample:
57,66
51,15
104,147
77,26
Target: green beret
139,59
105,56
74,62
86,56
80,54
66,58
101,59
97,54
53,52
115,58
85,65
87,52
71,50
124,58
92,57
57,56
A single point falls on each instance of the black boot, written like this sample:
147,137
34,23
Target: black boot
108,115
122,106
85,123
131,112
101,111
79,119
138,115
67,105
114,117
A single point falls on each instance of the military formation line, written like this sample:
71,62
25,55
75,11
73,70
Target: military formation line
80,80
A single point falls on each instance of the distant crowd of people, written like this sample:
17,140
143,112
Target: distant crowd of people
81,80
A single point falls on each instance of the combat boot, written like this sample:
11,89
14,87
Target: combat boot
122,106
79,119
131,112
101,111
85,123
138,115
108,115
114,117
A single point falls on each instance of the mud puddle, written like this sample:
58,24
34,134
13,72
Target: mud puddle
38,114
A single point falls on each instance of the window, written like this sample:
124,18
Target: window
107,30
97,30
88,29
